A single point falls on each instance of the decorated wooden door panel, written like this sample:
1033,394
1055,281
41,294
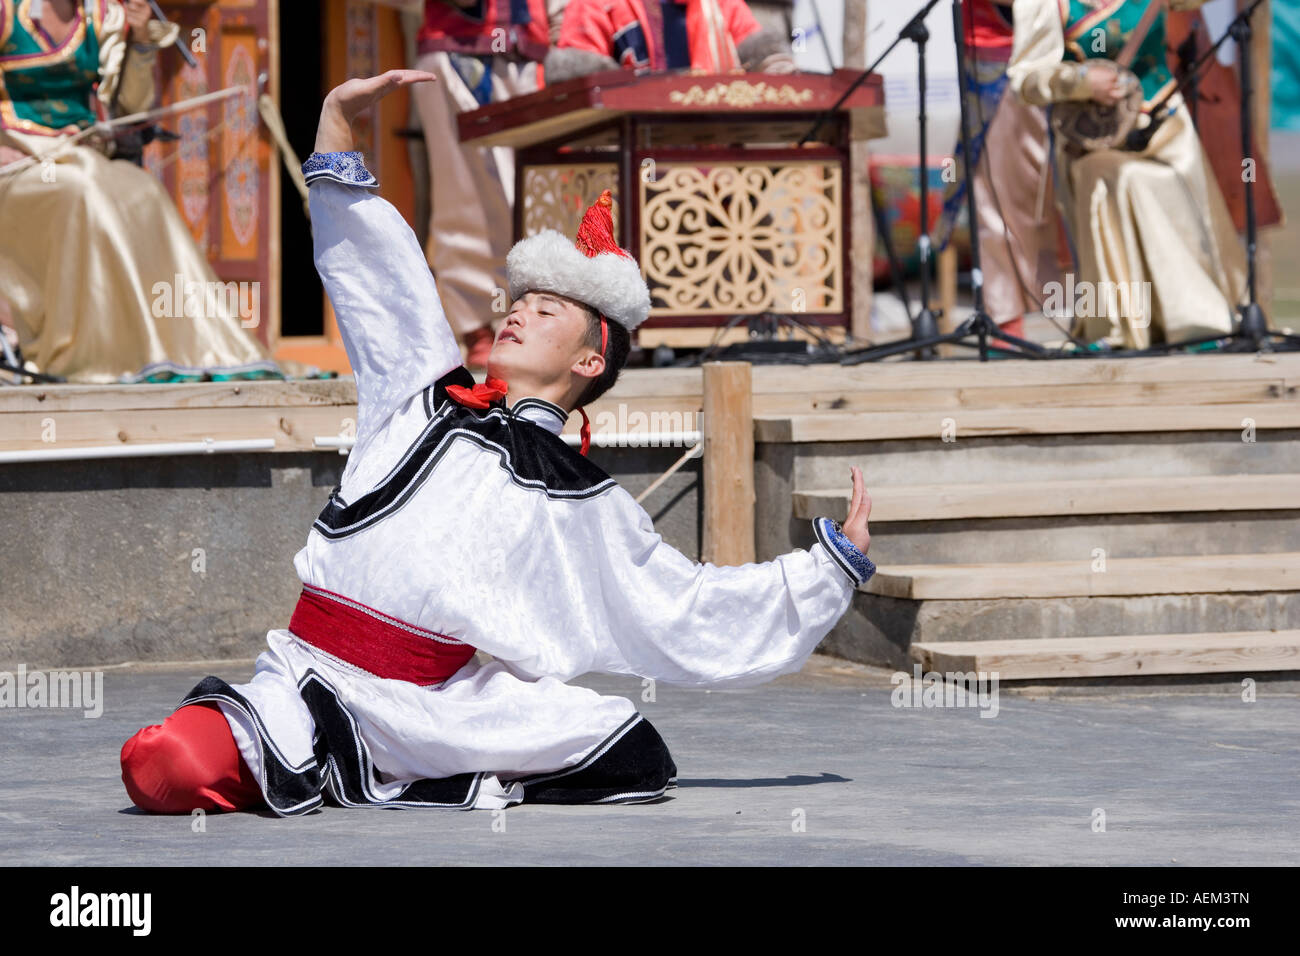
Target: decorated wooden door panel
222,172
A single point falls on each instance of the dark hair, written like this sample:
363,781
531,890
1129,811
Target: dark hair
616,352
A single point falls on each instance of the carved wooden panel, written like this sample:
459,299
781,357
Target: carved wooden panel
743,237
556,196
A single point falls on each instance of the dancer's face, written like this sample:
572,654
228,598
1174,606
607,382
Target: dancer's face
542,346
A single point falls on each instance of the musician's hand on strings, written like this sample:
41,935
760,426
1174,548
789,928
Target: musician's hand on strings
348,100
855,525
138,16
1106,86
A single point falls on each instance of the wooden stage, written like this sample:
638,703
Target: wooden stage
1074,518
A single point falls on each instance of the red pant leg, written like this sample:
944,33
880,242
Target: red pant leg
1014,326
188,762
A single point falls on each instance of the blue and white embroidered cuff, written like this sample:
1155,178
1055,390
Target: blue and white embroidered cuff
346,168
843,551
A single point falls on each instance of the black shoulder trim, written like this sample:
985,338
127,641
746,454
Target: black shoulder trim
534,457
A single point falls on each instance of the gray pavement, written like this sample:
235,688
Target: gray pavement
1186,775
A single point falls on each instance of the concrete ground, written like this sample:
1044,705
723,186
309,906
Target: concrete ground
1185,775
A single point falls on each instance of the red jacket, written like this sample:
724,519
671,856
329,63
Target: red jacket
988,28
486,26
631,31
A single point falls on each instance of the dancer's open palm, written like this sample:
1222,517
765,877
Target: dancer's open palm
855,525
356,95
351,98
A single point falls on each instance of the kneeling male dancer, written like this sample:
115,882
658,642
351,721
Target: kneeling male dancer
462,522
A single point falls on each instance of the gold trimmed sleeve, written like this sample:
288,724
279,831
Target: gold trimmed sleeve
1037,73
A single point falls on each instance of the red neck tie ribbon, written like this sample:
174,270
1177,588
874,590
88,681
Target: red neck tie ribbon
480,396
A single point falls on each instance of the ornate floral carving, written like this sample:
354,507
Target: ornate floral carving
555,197
743,238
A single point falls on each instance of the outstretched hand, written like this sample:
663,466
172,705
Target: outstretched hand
855,525
351,98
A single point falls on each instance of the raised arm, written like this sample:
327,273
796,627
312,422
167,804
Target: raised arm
371,264
682,622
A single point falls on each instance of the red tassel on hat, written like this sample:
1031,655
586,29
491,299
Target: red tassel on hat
586,430
596,231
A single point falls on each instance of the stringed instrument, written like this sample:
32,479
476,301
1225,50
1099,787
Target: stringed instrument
1089,125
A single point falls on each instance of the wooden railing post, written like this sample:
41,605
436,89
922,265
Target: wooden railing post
728,426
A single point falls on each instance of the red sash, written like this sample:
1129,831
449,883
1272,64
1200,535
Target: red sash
373,641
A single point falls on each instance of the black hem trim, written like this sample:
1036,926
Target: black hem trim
631,765
340,763
288,790
340,748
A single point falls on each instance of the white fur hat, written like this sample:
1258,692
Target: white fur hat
592,269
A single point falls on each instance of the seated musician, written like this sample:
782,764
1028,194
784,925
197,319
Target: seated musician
707,36
1151,230
85,239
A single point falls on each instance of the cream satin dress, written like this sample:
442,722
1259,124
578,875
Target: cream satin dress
85,239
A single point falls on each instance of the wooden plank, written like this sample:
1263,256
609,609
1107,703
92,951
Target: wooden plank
728,465
1134,395
1083,496
1116,656
1178,574
292,428
94,398
1136,381
700,337
660,389
1279,366
974,423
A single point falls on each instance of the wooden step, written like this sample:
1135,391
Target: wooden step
1181,574
1084,496
976,422
1232,652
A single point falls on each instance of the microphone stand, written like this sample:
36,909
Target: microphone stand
924,325
979,325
